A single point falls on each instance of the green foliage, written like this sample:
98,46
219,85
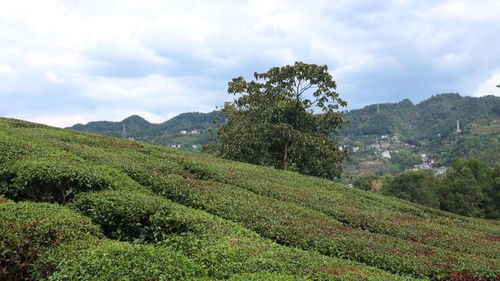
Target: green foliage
27,230
130,216
470,189
110,260
272,122
56,178
404,159
415,186
265,277
366,181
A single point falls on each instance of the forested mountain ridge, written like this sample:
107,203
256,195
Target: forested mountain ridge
426,120
392,137
183,131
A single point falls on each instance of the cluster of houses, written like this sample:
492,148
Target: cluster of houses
428,164
193,146
383,144
187,133
190,132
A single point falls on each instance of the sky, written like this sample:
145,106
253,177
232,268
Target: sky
75,61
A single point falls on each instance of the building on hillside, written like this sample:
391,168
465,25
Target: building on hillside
386,154
441,170
183,132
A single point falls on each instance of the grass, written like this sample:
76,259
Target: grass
218,219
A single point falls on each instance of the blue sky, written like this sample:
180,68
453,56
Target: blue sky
74,61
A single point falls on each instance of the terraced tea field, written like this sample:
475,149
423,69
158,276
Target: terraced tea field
78,206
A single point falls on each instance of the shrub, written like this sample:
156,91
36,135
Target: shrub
265,277
130,216
111,260
57,179
28,229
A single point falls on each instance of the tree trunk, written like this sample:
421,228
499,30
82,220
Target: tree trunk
285,156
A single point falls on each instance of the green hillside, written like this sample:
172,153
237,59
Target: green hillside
78,206
194,124
392,137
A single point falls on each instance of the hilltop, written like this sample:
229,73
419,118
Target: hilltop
83,206
388,137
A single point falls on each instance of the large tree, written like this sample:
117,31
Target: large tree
284,118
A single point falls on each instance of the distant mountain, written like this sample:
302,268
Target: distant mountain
387,137
187,130
392,137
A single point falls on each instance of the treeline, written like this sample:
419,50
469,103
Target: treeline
468,188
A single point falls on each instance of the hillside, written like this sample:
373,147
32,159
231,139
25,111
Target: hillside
187,130
402,131
396,136
88,207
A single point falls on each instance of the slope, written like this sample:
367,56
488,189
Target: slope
166,214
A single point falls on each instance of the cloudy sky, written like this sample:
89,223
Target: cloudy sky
74,61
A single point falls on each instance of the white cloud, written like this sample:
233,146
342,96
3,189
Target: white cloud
159,57
489,87
6,70
53,77
466,10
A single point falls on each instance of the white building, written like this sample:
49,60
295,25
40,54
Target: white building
440,170
386,154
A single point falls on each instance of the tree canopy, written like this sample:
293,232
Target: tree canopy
284,118
468,188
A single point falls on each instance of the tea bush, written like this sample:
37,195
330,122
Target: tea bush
57,179
111,260
27,230
130,216
224,248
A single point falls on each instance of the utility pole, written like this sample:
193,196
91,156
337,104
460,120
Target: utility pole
378,108
458,127
124,133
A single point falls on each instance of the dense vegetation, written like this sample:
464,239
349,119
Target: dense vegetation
82,206
272,121
429,127
166,133
468,188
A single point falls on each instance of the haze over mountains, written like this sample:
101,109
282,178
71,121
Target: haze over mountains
376,135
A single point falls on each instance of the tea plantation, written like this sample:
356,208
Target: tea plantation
78,206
